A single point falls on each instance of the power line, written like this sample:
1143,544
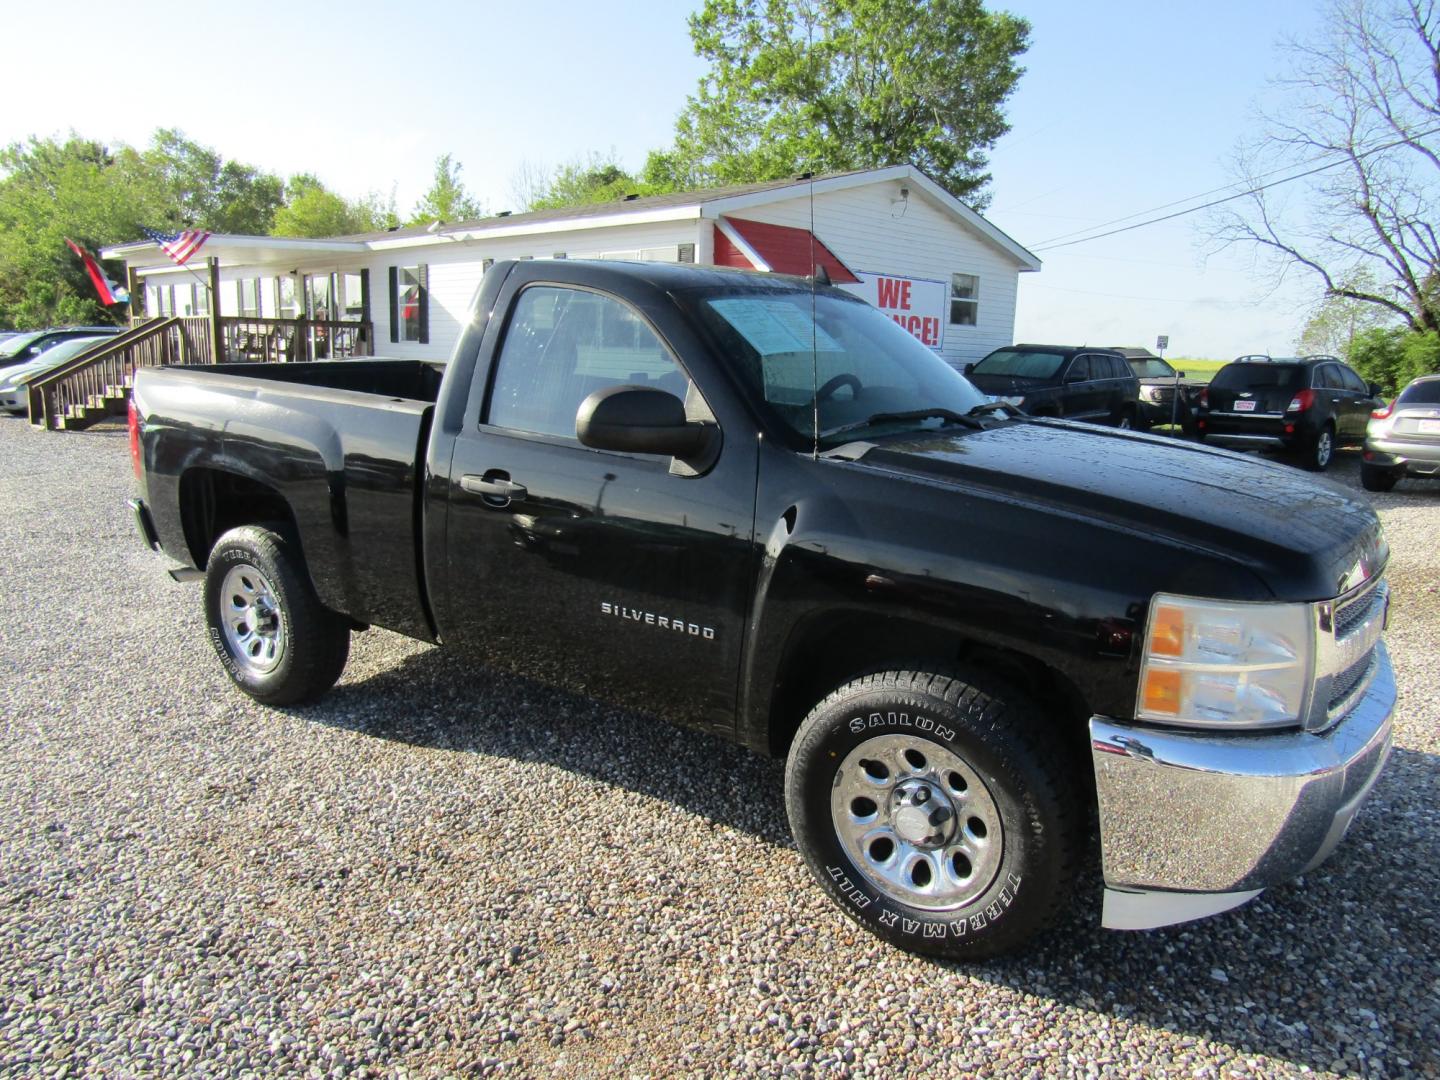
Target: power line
1051,246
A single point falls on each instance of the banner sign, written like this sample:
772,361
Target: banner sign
917,304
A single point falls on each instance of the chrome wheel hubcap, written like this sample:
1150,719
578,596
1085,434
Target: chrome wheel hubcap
251,619
1323,448
917,821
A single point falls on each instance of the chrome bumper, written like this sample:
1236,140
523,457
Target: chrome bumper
1195,824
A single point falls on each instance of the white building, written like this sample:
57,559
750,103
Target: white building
891,235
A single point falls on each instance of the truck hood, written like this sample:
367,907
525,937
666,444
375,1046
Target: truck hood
1306,538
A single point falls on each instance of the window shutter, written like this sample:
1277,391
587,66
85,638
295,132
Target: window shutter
424,305
394,303
686,254
365,295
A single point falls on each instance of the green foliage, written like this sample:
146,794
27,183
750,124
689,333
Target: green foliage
96,196
597,178
1339,318
1393,355
447,200
830,85
201,188
312,209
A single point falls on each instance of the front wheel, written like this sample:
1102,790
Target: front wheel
928,810
275,639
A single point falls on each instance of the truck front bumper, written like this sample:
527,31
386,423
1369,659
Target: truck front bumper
1192,824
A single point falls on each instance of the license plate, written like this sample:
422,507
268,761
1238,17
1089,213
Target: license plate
1429,427
1244,406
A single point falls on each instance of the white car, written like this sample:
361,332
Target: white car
14,380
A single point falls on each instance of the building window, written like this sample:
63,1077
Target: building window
287,301
964,299
354,297
410,304
249,292
202,299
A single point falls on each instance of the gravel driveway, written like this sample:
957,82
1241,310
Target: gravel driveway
440,871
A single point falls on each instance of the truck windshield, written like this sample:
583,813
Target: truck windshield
834,362
1152,369
1020,364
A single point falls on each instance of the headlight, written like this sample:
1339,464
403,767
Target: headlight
1150,393
1213,664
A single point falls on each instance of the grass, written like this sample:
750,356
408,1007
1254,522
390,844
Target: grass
1195,368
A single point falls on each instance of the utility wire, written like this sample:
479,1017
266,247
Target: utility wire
1052,245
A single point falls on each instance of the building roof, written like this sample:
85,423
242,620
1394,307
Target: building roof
707,203
629,203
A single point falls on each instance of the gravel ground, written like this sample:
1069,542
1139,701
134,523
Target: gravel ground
192,883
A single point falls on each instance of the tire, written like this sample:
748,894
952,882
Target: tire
1320,451
277,642
976,754
1127,421
1377,477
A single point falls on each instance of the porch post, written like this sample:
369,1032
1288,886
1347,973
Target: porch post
137,294
217,342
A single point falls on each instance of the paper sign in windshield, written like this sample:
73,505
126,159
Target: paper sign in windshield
774,327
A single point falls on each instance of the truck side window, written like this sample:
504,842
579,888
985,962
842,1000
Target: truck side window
564,344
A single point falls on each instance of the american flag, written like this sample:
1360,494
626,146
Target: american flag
179,246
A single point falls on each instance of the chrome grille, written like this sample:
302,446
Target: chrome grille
1342,686
1347,632
1353,611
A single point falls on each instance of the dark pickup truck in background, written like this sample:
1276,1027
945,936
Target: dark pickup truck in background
755,505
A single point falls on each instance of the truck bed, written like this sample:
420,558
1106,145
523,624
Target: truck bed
342,442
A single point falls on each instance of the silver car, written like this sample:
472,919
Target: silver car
15,380
1403,438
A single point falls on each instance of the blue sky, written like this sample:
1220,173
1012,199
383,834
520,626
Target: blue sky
1124,107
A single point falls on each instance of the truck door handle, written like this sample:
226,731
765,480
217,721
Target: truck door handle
495,486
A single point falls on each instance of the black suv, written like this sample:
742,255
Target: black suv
1307,405
1074,382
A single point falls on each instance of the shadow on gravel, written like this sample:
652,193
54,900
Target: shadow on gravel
447,699
1262,980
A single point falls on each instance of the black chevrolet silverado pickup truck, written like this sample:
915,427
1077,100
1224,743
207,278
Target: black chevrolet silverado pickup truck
754,505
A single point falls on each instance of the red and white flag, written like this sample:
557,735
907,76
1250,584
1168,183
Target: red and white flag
179,246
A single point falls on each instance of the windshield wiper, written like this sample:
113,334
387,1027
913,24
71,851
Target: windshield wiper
948,415
994,406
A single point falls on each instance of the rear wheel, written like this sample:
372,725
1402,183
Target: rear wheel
1377,477
928,810
1317,454
275,639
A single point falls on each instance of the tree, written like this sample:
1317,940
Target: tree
51,190
1338,319
828,85
1393,355
312,209
205,190
596,178
98,195
447,199
1362,117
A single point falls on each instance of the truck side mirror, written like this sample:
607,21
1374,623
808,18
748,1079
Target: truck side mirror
1375,390
1179,374
641,420
969,367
